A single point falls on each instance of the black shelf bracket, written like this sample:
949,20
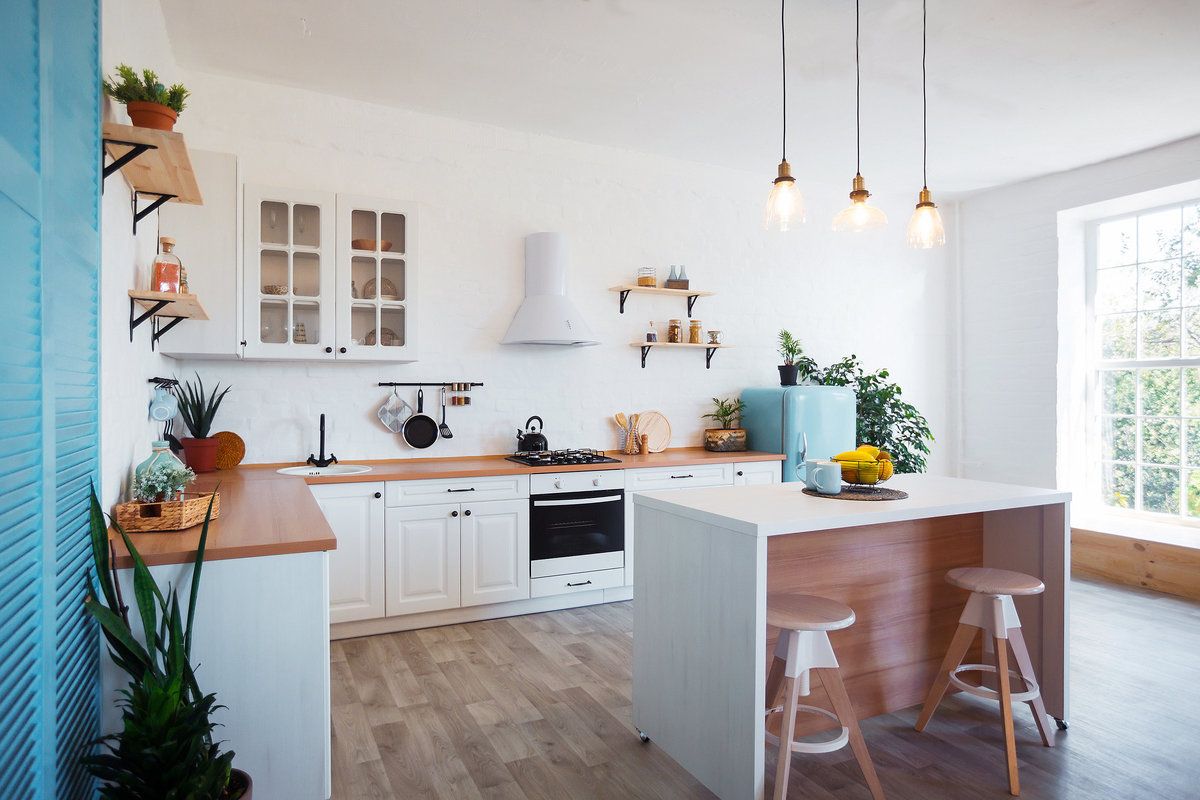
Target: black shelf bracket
138,215
135,150
646,348
691,303
708,354
137,320
156,327
624,297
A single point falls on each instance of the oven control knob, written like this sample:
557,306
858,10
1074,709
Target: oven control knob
595,481
558,483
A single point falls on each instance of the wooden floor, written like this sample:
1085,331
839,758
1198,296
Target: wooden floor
538,707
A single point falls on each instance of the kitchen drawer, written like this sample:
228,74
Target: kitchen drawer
645,480
590,481
449,490
578,582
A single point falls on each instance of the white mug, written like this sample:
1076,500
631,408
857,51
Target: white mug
823,476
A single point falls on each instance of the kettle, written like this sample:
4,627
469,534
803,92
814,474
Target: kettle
531,440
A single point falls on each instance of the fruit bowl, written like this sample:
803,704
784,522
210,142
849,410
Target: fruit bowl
866,466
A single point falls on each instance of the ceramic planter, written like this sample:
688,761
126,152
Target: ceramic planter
201,453
725,440
238,779
788,374
151,115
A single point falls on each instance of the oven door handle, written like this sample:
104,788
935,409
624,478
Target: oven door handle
578,501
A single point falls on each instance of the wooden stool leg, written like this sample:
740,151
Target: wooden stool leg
954,656
836,689
1025,666
787,734
1006,712
775,681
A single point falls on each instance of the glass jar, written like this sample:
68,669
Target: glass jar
696,332
651,333
167,274
160,453
675,331
647,276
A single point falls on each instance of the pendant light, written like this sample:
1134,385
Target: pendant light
785,205
925,229
858,216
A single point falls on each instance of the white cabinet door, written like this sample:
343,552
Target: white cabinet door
757,473
376,279
356,569
422,556
207,243
495,552
288,302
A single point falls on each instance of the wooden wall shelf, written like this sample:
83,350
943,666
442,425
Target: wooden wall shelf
691,294
154,162
162,305
709,349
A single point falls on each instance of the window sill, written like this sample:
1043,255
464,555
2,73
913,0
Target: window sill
1179,535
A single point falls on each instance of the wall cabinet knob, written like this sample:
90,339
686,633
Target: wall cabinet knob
378,495
328,349
467,513
454,513
341,349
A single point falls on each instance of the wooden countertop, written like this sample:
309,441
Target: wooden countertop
264,513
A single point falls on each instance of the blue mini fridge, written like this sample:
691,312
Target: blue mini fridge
784,419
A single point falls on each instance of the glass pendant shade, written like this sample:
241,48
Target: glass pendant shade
859,215
925,229
785,205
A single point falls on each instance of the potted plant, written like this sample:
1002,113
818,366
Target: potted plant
148,102
728,438
198,409
795,363
165,748
162,482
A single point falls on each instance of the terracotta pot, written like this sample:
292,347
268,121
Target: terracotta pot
151,115
201,454
237,780
788,374
725,440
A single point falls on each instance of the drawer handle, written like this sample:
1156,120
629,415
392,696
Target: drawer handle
471,489
676,477
584,583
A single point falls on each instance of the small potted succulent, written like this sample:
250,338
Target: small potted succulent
728,438
795,363
162,482
198,409
148,102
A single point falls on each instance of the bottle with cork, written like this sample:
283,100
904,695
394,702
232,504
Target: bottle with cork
168,274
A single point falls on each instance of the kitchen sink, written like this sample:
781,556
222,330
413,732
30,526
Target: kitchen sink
332,469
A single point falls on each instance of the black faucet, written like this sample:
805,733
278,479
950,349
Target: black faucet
322,461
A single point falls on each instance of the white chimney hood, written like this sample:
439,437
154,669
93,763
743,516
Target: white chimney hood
546,316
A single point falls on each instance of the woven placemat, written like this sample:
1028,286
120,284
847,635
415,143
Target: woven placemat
861,493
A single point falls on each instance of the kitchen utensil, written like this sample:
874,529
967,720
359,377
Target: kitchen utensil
622,420
531,440
176,445
394,412
444,429
231,449
164,406
420,430
823,476
369,244
657,430
388,292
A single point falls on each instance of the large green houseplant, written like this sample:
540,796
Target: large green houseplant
165,749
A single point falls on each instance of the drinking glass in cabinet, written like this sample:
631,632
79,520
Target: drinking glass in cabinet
273,227
391,271
273,272
306,274
306,226
306,318
272,322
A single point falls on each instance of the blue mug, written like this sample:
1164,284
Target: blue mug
823,476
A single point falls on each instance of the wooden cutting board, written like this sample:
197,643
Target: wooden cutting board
657,429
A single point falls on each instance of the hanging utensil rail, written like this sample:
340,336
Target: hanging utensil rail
422,384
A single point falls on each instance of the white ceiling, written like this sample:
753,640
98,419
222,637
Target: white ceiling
1017,87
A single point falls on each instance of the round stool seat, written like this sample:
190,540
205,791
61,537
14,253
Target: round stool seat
986,580
807,612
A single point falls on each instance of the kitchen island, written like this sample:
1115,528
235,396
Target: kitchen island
708,558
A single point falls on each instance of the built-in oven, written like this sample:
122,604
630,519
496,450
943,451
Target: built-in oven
576,531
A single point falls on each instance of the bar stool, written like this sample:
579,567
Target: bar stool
804,622
990,609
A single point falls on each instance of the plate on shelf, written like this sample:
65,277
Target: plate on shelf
389,290
657,430
387,338
369,244
275,288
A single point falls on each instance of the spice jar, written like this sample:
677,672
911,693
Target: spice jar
696,332
674,332
168,269
647,276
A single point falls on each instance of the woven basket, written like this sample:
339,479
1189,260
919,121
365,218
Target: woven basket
173,515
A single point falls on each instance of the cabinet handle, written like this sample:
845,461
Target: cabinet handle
676,477
378,495
454,513
467,513
583,583
243,343
740,473
328,349
341,349
471,489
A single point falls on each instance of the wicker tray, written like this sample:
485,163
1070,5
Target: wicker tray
174,515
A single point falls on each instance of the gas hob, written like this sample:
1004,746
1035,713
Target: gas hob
562,458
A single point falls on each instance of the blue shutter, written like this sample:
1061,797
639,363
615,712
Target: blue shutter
49,271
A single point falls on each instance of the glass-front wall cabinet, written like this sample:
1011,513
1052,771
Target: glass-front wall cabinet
317,287
376,278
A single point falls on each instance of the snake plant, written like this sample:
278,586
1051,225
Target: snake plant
198,408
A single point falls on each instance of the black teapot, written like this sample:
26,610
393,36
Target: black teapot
531,440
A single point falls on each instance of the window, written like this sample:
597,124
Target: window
1144,397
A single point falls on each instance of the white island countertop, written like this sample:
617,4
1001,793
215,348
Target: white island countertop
777,509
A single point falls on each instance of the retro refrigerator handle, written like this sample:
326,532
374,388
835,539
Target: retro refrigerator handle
801,454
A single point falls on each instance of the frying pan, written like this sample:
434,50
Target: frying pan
420,430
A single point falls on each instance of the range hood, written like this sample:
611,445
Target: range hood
546,316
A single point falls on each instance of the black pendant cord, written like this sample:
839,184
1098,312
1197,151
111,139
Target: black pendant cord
857,98
783,63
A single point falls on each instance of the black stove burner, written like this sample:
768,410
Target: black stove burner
557,458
